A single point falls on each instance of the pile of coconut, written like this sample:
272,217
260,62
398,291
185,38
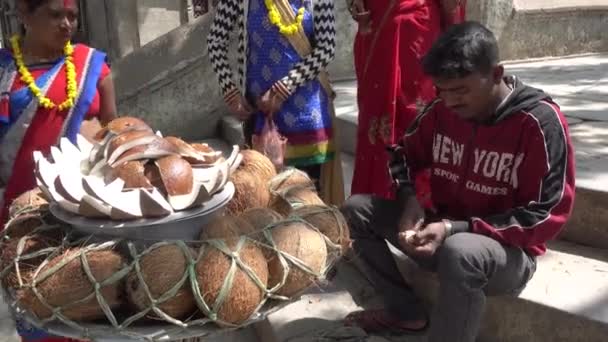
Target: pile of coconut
130,172
275,239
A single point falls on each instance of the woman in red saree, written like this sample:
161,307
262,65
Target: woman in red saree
50,89
393,36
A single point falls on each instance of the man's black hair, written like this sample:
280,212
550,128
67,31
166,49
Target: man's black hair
463,49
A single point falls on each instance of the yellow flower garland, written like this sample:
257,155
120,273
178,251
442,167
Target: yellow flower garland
28,79
275,18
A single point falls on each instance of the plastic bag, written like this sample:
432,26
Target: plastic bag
270,143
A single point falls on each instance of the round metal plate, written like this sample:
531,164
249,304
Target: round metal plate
183,225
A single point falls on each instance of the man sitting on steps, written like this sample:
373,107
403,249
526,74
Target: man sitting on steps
502,182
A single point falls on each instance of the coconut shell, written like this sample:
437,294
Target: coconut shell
127,123
162,268
132,173
225,226
291,177
304,243
70,284
176,175
244,295
33,199
157,149
127,137
328,221
258,164
250,192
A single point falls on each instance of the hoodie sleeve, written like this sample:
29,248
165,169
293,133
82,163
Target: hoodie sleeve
414,151
544,181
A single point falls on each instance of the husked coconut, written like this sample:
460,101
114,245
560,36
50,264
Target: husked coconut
156,149
244,296
329,221
290,178
162,269
132,173
303,243
70,284
250,192
225,226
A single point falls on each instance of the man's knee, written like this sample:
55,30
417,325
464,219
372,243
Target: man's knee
461,257
357,211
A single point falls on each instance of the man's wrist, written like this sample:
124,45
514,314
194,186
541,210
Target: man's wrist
454,227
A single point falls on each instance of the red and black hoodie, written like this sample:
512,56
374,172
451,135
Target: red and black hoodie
510,178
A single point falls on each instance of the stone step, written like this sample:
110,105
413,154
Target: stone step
564,301
581,89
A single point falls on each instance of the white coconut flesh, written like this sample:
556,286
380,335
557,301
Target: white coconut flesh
98,150
70,185
58,158
47,171
70,152
128,206
84,146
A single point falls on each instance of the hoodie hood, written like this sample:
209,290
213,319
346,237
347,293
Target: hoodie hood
521,98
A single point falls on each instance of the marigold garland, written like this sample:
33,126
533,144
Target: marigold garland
28,79
275,18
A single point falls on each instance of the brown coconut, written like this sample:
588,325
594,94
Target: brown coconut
259,219
258,164
26,213
156,149
30,200
304,243
8,254
163,268
250,191
328,221
128,138
290,178
132,173
71,284
225,226
294,197
244,295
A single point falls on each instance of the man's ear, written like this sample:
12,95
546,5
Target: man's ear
498,74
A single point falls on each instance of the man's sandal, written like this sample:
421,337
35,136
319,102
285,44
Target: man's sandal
378,321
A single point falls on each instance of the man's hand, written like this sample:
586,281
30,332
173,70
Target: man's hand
411,221
427,240
356,7
272,101
238,105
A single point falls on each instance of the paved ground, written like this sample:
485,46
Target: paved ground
579,85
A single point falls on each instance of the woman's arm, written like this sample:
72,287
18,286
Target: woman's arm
218,40
323,52
107,99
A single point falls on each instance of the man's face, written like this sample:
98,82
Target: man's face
470,97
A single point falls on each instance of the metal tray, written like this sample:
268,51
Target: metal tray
184,225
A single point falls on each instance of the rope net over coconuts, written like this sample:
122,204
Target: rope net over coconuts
248,261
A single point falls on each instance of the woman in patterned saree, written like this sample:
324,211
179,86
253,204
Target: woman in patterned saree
50,89
284,46
392,38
